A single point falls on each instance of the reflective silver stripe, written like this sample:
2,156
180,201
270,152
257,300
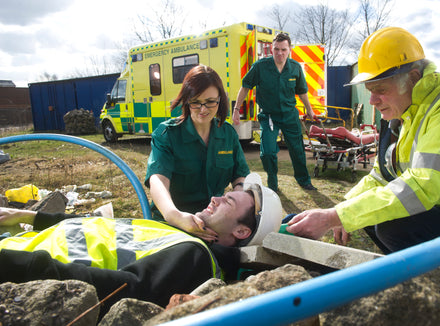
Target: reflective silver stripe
403,166
426,160
416,137
378,177
76,242
124,234
127,246
407,196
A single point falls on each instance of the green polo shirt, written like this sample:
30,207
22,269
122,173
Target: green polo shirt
196,171
276,91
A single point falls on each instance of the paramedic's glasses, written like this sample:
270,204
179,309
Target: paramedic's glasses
209,104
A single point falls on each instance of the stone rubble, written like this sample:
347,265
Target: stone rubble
414,302
50,302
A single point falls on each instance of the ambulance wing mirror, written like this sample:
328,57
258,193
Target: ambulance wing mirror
109,101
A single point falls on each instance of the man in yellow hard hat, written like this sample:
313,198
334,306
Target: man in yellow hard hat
398,202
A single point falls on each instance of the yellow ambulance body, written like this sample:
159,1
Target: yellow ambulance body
153,75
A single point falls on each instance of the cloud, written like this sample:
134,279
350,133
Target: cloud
17,43
28,12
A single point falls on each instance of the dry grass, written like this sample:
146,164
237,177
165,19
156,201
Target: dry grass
52,164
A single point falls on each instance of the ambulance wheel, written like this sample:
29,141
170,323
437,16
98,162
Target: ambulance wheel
109,132
316,171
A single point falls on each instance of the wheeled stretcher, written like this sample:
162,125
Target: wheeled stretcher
341,148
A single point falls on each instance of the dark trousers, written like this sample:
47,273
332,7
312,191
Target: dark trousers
155,278
290,126
406,232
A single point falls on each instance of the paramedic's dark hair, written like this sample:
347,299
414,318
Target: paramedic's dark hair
282,37
196,81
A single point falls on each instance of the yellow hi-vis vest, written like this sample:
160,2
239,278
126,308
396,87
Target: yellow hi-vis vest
103,242
374,200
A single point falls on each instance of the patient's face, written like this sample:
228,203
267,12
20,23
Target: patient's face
223,213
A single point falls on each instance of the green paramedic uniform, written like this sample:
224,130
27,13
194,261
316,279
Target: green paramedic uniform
276,98
196,171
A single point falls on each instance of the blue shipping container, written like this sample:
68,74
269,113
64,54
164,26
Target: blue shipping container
50,101
337,94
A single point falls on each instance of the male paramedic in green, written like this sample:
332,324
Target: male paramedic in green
277,79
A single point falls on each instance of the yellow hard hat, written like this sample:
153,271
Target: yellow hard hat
385,53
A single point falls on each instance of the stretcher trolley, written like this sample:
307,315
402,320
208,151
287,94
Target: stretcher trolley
338,147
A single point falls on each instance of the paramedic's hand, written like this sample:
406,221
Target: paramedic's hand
236,116
194,225
341,236
12,216
313,224
312,116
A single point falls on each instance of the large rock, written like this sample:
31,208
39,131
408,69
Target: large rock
253,285
209,286
48,302
55,202
130,312
414,302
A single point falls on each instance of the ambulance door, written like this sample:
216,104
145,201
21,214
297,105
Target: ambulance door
157,103
123,107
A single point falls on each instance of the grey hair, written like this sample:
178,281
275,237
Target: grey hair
402,79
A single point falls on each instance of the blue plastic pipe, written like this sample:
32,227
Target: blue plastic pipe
309,298
98,148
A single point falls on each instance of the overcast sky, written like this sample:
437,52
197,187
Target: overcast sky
62,37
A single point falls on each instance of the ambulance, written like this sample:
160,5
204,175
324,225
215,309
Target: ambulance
153,75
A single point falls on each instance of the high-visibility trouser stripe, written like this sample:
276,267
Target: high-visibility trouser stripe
76,243
406,196
127,246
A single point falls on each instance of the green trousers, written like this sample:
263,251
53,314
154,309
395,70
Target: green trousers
290,126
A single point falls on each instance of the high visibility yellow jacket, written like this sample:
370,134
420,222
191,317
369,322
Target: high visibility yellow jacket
103,242
417,189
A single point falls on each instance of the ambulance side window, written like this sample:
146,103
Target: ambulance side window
155,88
118,91
181,65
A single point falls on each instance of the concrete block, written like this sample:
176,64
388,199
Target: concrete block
319,252
257,257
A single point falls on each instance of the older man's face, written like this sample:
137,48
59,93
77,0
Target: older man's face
389,98
223,213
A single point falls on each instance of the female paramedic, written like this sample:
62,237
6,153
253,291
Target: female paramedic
195,156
